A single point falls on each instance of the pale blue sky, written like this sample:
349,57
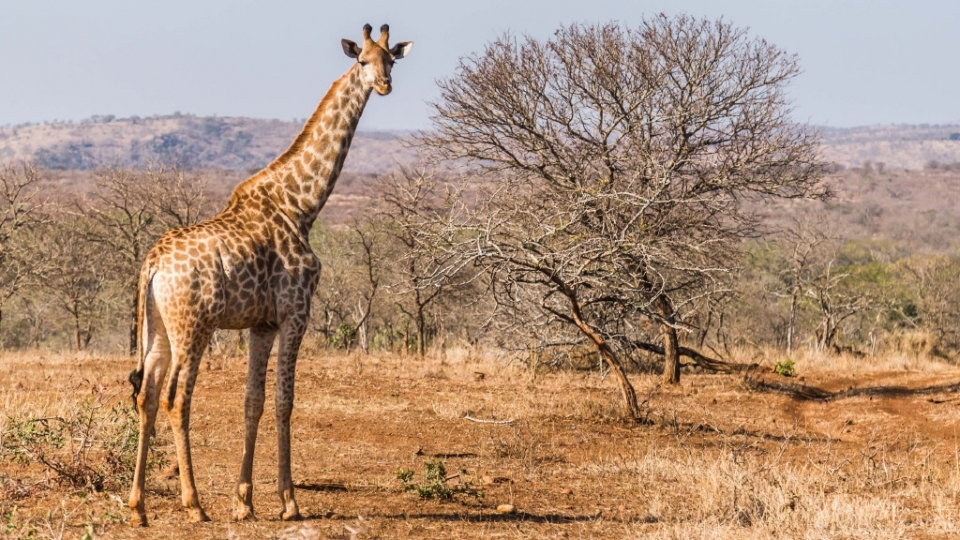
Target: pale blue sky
864,61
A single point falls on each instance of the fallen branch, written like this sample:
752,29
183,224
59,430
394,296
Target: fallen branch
482,421
699,359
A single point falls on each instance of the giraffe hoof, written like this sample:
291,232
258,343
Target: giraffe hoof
138,518
197,515
243,512
291,515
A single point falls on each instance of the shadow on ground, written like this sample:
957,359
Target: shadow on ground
761,383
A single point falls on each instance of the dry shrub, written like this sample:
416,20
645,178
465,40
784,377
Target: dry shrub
923,357
912,342
528,444
90,443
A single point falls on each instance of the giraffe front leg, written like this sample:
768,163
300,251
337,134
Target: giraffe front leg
291,334
261,341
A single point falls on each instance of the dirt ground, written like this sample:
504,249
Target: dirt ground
719,456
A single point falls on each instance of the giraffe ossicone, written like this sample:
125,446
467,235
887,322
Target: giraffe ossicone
251,266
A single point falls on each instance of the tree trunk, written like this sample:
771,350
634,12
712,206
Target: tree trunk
793,322
421,333
613,362
76,328
671,344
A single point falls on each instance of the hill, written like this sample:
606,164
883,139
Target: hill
245,144
893,146
238,144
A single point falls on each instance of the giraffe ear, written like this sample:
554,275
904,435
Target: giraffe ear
350,48
401,49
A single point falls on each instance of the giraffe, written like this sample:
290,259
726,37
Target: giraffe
251,266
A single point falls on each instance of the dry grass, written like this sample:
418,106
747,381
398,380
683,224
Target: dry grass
715,460
913,356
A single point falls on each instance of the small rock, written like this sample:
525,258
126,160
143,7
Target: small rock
506,509
172,471
566,491
621,508
488,480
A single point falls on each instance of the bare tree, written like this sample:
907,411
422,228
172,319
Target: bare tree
932,283
370,270
805,240
332,303
411,205
180,197
131,209
77,279
123,212
612,167
21,211
839,293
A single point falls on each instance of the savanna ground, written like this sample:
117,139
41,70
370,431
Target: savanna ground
719,456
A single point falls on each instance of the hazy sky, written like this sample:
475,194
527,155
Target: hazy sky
864,61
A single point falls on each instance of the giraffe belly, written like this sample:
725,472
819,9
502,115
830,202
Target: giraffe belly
245,310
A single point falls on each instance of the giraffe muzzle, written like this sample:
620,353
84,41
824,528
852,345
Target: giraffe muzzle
383,87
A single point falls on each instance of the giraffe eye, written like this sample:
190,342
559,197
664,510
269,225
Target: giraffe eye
362,63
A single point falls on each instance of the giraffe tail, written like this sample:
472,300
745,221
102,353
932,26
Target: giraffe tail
143,292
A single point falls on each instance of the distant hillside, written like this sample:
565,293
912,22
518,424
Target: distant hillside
206,142
243,144
894,146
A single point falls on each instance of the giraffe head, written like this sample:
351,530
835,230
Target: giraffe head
376,58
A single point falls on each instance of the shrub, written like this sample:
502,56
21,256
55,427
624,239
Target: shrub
435,481
785,368
93,447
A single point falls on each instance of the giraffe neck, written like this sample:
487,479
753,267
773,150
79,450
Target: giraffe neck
301,179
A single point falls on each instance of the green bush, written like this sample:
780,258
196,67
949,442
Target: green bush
785,368
435,480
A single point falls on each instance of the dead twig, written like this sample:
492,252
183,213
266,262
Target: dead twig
482,421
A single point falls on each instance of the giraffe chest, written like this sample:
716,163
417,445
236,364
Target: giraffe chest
266,289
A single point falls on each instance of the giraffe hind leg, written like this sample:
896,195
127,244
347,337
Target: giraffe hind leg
177,399
156,350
